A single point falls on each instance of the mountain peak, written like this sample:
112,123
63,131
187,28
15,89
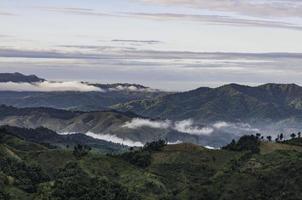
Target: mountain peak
19,78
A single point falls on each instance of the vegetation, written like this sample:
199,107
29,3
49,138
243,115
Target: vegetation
246,143
249,168
142,157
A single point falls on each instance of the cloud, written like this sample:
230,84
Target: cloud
137,41
132,88
190,127
218,20
150,67
219,125
227,126
223,14
256,8
75,11
46,86
138,123
115,139
185,126
6,13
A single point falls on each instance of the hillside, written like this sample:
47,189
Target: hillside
106,125
227,103
51,139
182,171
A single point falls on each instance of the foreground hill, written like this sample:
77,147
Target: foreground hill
182,171
227,103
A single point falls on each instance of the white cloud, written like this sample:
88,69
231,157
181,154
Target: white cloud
219,125
257,8
185,126
245,127
109,138
115,139
47,86
131,88
138,123
176,142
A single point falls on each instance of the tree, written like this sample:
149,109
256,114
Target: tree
299,134
281,137
269,138
245,143
293,135
81,150
258,135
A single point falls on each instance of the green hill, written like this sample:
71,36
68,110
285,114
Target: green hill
32,171
230,103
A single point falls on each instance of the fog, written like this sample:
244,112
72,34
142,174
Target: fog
47,86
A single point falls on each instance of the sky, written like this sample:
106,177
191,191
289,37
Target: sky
165,44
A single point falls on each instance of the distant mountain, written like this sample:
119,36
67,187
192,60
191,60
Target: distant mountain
109,95
18,78
227,103
106,125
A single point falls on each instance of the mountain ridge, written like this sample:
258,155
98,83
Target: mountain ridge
232,101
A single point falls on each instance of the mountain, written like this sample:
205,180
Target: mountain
110,126
109,94
31,171
231,102
18,78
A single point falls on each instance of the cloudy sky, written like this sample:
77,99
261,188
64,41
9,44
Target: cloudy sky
166,44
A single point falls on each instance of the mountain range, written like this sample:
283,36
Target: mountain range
138,114
231,102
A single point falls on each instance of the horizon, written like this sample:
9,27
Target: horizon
171,45
15,87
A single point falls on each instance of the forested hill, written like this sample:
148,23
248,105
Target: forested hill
246,169
229,103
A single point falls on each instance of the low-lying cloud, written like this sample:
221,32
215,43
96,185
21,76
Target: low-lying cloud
115,139
243,127
185,126
47,86
132,88
109,138
138,123
190,127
